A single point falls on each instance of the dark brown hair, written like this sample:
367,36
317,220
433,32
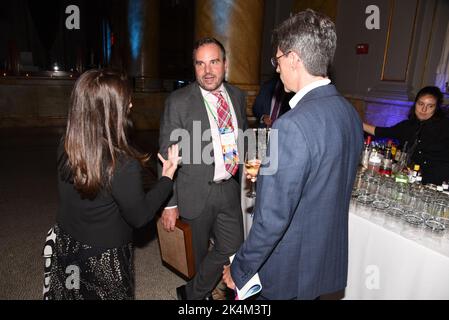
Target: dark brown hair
431,91
96,135
204,41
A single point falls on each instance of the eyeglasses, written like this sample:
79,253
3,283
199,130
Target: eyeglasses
274,60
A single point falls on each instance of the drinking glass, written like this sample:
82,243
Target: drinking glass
382,193
252,165
444,217
363,196
441,214
413,217
395,211
435,225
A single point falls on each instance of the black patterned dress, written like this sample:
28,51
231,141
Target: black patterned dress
76,271
89,253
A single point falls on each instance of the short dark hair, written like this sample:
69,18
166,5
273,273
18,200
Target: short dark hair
312,36
431,91
208,40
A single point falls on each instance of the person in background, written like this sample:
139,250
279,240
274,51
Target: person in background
207,192
89,253
271,102
298,242
426,132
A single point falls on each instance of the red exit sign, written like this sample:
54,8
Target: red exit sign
362,48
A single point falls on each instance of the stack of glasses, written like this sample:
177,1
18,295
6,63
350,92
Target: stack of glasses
415,203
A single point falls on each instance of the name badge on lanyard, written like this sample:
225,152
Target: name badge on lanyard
227,140
228,143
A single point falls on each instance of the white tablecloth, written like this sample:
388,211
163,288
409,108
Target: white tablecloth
391,259
388,258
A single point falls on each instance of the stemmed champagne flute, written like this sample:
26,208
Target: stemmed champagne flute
252,165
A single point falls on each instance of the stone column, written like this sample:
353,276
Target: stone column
239,26
143,44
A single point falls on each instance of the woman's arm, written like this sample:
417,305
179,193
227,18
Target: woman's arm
137,207
369,129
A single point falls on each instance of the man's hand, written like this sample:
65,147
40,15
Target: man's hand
169,217
227,278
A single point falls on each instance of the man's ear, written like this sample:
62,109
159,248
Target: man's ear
294,58
226,69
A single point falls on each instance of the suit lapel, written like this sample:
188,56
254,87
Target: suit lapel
199,112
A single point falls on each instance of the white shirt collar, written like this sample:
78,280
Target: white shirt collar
301,93
205,93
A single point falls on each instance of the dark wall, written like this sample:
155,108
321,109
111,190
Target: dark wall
39,27
417,37
403,54
176,41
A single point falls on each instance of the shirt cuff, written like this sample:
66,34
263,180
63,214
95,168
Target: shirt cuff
172,207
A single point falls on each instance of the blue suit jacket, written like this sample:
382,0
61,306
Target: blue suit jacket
299,238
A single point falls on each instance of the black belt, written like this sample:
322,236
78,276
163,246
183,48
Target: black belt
235,177
219,181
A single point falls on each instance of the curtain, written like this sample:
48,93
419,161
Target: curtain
442,76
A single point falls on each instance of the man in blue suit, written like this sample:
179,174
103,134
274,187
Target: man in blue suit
298,242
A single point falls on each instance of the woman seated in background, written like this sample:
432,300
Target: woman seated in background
88,253
427,135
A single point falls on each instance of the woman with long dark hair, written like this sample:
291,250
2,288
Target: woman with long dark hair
427,133
88,253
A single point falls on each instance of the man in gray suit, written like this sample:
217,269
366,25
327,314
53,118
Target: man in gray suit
206,193
298,242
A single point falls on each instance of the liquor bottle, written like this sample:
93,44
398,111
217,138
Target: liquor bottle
414,174
401,177
387,163
418,179
445,186
366,153
374,162
383,149
397,157
402,161
393,149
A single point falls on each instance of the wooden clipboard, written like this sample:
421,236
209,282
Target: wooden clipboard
176,248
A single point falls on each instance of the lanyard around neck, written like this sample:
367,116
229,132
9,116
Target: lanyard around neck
225,97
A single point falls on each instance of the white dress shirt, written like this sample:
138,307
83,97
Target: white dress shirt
301,93
220,170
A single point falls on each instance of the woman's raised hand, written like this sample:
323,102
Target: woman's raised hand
170,165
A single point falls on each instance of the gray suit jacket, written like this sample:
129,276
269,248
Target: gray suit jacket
299,238
185,109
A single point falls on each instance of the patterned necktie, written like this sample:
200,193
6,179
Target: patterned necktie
278,92
225,121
